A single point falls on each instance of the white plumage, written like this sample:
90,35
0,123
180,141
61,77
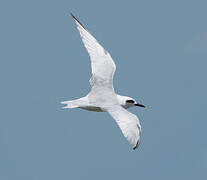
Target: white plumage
102,97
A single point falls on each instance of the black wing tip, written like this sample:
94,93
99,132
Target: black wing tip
137,145
78,21
72,15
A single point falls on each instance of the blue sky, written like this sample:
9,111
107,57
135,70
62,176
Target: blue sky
160,50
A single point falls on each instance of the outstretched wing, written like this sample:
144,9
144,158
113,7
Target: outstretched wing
103,66
128,123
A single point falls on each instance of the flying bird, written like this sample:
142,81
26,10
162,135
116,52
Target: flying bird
102,97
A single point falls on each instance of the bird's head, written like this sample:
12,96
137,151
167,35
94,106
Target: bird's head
128,102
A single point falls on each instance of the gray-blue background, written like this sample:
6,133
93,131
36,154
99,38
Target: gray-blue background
160,49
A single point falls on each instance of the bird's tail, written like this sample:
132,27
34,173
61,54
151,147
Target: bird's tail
69,104
74,103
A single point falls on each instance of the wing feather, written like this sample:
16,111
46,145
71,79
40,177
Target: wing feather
102,64
128,123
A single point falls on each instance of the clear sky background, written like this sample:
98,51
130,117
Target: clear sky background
160,49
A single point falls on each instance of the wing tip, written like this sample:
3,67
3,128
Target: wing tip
72,15
78,21
137,145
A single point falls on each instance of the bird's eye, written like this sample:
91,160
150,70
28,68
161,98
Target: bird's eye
130,101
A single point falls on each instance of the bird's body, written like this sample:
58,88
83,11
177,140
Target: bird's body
97,103
102,97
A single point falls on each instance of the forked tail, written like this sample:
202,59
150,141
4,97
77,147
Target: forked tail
75,103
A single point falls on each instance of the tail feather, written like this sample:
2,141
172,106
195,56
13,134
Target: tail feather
69,104
74,103
65,107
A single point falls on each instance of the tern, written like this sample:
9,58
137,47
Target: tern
102,97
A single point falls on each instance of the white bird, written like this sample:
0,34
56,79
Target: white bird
102,97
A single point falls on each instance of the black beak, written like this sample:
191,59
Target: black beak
140,105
